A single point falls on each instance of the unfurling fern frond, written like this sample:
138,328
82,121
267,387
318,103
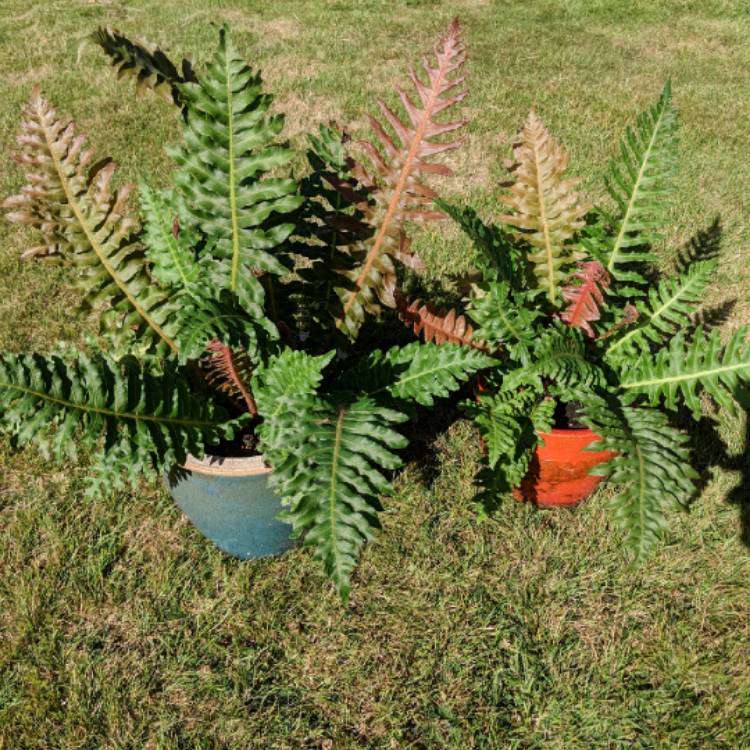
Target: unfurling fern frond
682,368
584,299
652,462
639,183
397,192
228,147
169,244
146,421
447,328
547,212
505,317
80,218
668,310
499,259
145,62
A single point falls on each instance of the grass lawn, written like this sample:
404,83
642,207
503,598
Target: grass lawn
120,627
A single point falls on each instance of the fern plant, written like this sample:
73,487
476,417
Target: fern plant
565,304
208,330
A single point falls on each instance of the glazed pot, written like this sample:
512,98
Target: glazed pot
559,470
228,500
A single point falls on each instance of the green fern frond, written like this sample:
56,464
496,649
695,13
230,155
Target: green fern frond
682,368
510,425
668,310
203,319
505,317
81,219
333,476
560,355
145,62
228,147
640,184
652,462
146,420
419,372
170,245
499,258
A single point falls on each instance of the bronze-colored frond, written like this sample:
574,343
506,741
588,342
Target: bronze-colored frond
547,211
396,189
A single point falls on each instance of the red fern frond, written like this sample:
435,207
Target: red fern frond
584,299
228,372
449,328
396,188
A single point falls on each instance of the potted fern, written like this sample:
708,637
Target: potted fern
221,357
596,353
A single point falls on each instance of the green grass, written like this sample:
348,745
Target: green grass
120,627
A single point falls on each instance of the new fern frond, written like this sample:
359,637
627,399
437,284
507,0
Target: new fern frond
449,327
547,212
397,192
585,298
80,218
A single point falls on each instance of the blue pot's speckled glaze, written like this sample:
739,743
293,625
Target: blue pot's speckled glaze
229,502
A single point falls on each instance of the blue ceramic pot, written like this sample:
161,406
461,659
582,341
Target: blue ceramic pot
230,503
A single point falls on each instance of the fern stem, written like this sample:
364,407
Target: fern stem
232,186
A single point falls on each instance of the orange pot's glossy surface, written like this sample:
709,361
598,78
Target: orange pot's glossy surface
559,470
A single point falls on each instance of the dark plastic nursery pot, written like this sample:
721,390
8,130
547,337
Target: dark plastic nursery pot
229,502
559,471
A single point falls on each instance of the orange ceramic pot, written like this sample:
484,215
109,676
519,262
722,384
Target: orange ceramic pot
559,470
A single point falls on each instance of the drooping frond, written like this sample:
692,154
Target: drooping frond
145,420
640,184
397,192
448,328
169,244
681,369
499,258
146,63
652,464
505,317
585,298
668,310
81,219
547,212
511,429
228,148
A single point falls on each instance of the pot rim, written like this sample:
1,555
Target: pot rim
570,432
227,466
